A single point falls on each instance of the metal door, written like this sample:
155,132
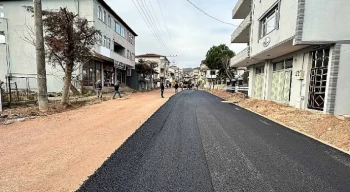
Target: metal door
318,79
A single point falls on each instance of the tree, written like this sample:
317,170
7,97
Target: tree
69,41
217,55
146,68
218,58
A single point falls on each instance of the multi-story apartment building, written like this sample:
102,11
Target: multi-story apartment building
195,75
162,66
298,52
114,53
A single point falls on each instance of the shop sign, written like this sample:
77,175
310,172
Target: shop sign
119,65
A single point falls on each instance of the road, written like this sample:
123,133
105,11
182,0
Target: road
197,143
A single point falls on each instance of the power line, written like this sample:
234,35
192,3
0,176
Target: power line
210,15
156,18
166,26
148,23
153,22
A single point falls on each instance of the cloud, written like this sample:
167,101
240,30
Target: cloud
192,32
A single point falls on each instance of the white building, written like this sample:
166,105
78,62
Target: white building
298,52
114,54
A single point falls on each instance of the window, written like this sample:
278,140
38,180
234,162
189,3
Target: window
286,64
99,37
127,55
2,37
108,43
104,17
105,41
212,73
122,32
128,72
99,12
132,39
117,28
109,21
259,70
1,13
269,22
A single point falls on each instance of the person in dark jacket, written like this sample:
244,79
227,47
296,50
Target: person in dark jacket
176,86
162,90
116,90
98,87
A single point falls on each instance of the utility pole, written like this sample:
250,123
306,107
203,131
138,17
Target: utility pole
40,56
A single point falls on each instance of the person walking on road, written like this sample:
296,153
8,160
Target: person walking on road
98,87
162,90
116,90
176,86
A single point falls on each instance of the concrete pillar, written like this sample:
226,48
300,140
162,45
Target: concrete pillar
251,80
267,80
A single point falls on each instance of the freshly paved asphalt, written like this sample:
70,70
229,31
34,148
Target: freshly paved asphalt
196,143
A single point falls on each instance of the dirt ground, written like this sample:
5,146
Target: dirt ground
58,152
327,128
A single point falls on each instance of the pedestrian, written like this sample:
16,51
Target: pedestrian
162,90
98,87
182,86
116,90
197,86
176,86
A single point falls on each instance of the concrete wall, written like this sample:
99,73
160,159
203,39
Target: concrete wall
287,23
342,102
325,20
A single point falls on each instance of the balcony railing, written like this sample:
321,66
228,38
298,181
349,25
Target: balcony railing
241,34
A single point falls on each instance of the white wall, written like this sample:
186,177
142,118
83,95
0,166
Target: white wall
287,24
22,54
342,100
326,20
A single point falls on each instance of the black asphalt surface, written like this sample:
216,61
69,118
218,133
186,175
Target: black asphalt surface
197,143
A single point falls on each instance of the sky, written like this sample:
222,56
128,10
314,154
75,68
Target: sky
191,32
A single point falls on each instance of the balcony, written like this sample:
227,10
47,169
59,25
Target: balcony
109,55
242,33
241,59
242,9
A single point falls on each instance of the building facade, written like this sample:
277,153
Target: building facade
114,53
297,52
161,68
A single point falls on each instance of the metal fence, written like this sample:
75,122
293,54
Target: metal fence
19,89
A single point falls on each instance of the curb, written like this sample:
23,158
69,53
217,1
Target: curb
278,122
306,134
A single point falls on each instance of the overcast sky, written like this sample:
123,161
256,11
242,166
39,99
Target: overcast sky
192,32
